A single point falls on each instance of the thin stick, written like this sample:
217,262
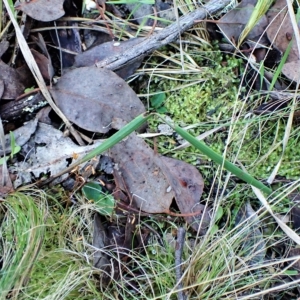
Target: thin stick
178,254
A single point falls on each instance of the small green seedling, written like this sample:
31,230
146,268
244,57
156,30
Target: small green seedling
30,89
14,149
219,214
157,103
106,203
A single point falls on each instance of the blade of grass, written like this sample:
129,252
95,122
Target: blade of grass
261,74
285,141
294,20
219,159
291,115
5,174
279,68
12,7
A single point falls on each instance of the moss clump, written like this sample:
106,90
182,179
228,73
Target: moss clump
208,95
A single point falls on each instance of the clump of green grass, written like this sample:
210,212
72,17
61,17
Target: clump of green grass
63,270
21,237
40,258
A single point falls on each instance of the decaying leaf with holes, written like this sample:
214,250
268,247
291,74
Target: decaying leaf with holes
47,152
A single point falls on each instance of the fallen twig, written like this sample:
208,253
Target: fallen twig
163,37
178,254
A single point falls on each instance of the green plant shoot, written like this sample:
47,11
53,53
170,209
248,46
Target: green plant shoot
14,148
157,103
93,191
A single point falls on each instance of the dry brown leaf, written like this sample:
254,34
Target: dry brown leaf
280,33
6,185
13,86
47,151
91,97
152,181
137,172
291,70
280,29
42,10
43,63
